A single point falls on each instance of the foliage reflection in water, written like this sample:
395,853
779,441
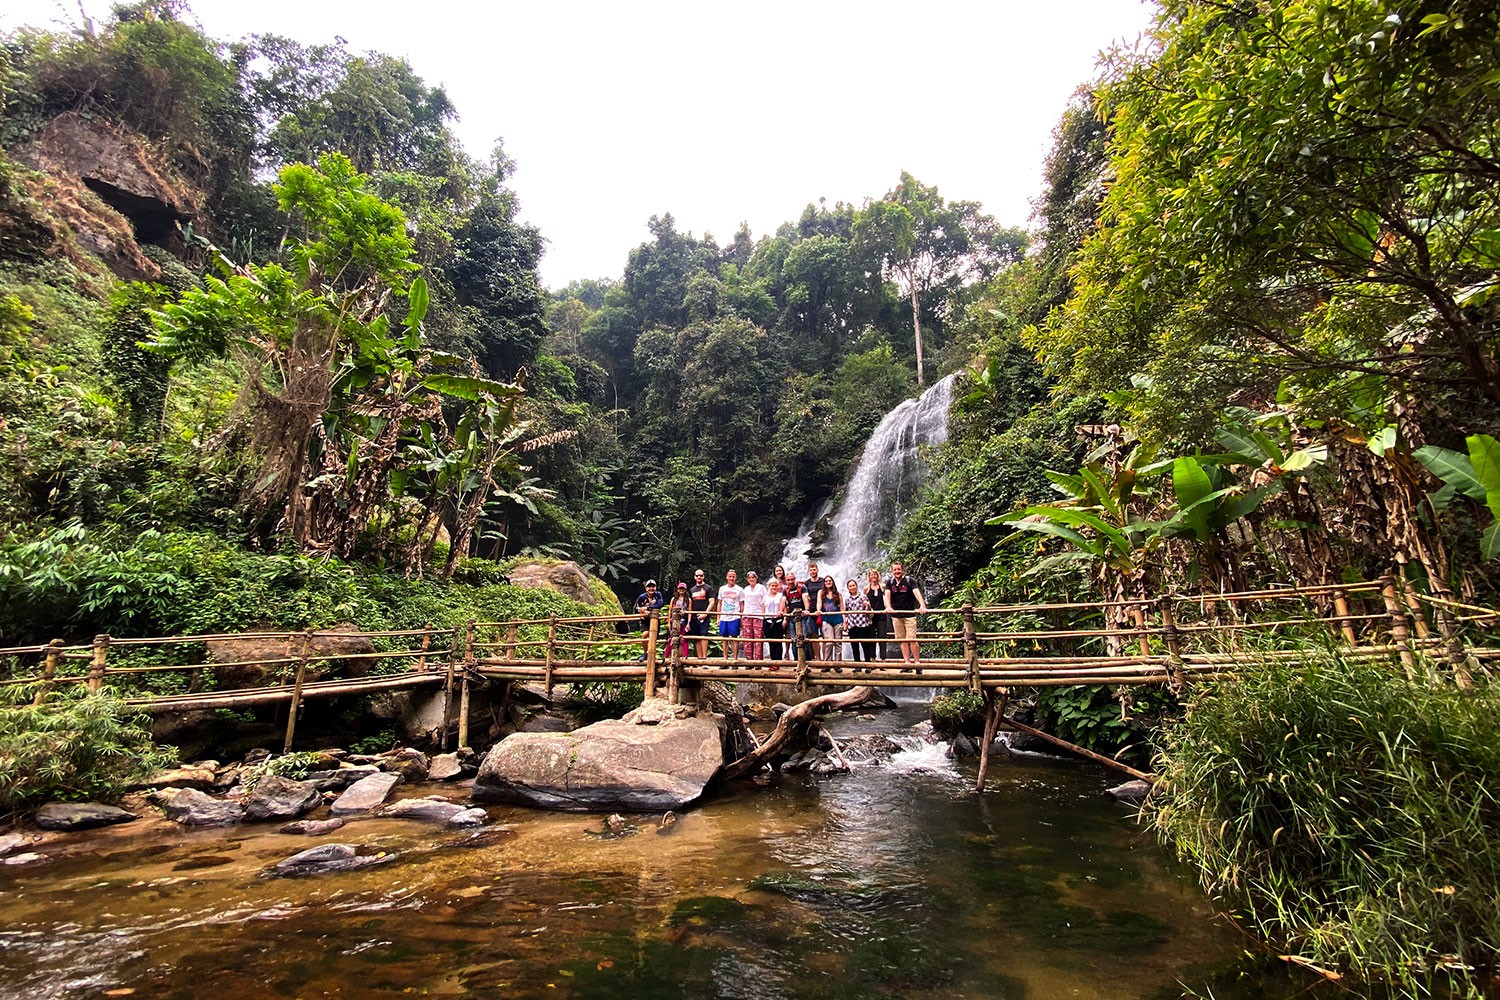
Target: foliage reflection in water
894,881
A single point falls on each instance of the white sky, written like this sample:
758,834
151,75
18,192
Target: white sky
718,113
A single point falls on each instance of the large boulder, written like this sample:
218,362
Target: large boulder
257,660
190,807
278,798
630,764
566,578
365,794
80,815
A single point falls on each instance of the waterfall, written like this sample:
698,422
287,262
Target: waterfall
882,491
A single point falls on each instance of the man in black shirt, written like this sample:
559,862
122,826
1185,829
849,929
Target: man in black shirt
700,603
905,600
649,601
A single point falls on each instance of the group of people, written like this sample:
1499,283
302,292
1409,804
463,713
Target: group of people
757,621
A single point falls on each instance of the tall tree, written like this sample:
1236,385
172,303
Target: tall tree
928,245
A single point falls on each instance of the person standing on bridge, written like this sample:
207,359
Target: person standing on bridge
650,600
752,622
797,598
731,597
700,608
905,600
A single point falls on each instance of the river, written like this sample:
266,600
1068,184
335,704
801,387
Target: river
892,881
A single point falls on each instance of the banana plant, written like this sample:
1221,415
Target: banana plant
1475,475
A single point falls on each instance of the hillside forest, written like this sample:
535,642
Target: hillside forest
274,350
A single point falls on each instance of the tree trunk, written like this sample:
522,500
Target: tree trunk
794,728
916,324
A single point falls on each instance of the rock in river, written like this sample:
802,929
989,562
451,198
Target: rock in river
365,794
80,815
653,766
327,858
1133,792
191,807
431,809
312,827
276,798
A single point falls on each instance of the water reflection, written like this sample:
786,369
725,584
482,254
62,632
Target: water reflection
895,881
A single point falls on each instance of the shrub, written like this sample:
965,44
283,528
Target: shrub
1347,811
73,747
954,712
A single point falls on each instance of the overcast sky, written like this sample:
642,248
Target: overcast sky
718,113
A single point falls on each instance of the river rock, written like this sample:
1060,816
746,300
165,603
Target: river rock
26,858
410,764
277,798
312,827
9,842
327,858
472,816
190,807
191,776
339,778
962,746
431,809
365,794
80,815
615,764
444,767
1134,792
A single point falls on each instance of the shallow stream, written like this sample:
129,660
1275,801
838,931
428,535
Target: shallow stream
892,881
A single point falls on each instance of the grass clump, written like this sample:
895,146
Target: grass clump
1348,813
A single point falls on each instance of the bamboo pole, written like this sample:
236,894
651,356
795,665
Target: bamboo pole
797,615
463,713
1346,624
1172,642
97,664
971,649
296,703
994,703
1400,634
1414,607
49,671
1100,758
674,658
551,638
426,641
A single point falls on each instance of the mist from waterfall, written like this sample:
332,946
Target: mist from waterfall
881,493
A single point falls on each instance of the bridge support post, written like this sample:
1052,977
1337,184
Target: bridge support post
463,712
971,649
1341,610
1400,631
96,665
296,704
49,671
551,641
801,650
674,660
994,711
1172,641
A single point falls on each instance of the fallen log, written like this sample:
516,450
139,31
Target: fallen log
794,730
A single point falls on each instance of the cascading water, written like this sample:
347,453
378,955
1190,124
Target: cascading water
881,492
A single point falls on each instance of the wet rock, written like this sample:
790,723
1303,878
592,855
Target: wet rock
365,794
339,778
10,842
190,807
472,816
962,746
802,760
444,767
1133,792
192,776
606,766
277,798
871,746
430,809
312,827
410,764
27,858
80,815
327,858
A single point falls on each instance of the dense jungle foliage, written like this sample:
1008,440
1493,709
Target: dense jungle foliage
306,372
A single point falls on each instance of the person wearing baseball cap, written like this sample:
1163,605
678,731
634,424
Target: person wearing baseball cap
650,600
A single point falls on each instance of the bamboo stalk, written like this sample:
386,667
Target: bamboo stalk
1100,758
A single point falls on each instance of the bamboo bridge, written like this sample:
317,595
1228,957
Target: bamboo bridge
1172,641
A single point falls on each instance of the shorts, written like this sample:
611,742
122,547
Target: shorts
730,629
905,627
697,626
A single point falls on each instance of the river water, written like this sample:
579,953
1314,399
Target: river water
893,881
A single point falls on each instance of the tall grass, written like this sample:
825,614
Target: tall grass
1349,814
